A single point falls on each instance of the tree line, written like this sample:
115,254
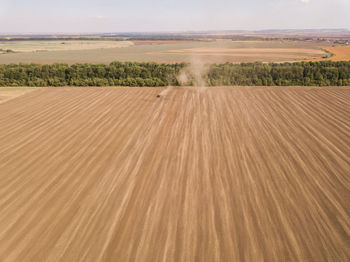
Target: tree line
114,74
324,73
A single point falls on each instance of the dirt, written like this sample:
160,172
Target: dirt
255,53
341,53
71,45
167,52
213,174
8,93
160,42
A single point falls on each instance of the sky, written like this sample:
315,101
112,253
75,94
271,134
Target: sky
93,16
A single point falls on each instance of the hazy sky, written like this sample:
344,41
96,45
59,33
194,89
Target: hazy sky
169,15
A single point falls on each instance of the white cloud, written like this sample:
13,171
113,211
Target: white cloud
305,1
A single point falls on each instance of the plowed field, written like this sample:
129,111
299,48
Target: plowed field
341,53
200,174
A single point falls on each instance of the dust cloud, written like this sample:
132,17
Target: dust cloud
165,91
194,74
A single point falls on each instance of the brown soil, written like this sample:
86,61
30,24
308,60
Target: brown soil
159,42
341,53
8,93
72,45
256,53
200,174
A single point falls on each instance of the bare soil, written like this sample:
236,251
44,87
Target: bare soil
47,46
256,53
199,174
159,42
8,93
163,51
341,53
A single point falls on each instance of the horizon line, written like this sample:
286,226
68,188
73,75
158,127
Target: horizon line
181,31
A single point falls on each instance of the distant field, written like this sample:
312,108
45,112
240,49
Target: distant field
341,53
161,51
246,54
42,46
200,174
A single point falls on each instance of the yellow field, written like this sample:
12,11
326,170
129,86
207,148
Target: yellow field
200,174
341,53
